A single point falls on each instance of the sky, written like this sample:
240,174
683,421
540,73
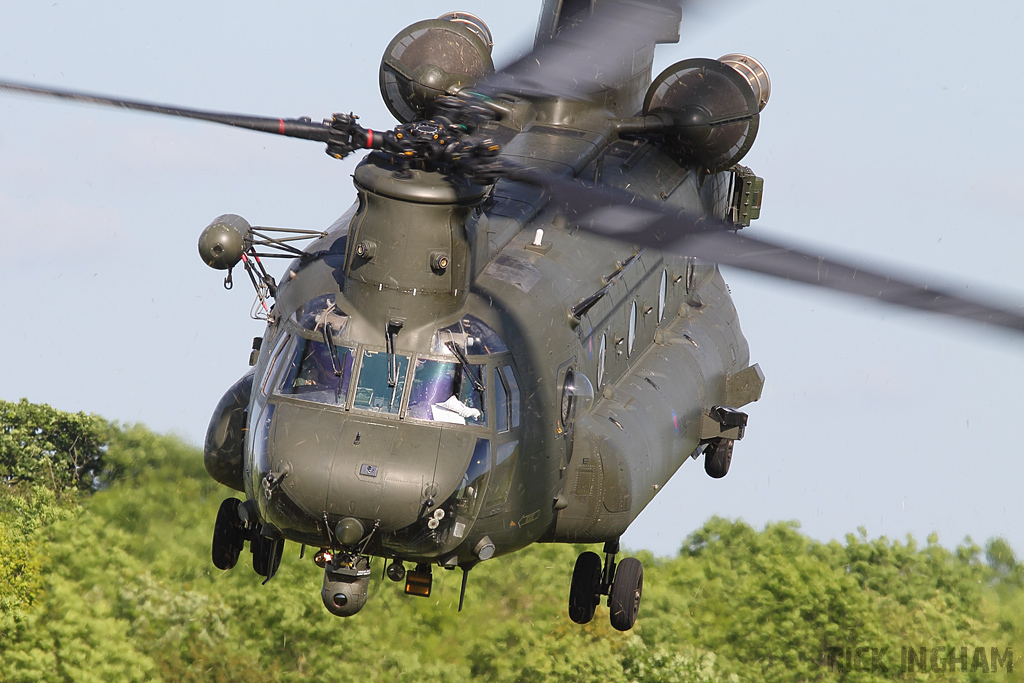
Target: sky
890,138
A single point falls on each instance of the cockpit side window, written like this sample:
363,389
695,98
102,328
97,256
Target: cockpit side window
273,369
501,414
513,395
311,375
374,391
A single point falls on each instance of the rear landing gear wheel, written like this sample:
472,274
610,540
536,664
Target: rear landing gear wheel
228,535
718,457
585,588
627,588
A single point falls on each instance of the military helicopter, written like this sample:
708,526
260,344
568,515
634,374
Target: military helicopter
557,369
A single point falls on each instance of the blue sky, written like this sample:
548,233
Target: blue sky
890,137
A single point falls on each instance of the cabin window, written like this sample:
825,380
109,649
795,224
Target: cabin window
600,360
631,333
662,295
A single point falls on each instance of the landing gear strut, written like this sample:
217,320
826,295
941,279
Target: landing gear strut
622,583
266,554
230,532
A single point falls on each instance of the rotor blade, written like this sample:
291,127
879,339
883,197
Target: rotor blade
781,261
294,128
617,214
594,55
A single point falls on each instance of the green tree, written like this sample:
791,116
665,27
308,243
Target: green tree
129,593
46,456
49,447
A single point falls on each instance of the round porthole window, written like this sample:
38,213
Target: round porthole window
568,398
577,397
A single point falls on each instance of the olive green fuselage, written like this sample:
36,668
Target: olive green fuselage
655,335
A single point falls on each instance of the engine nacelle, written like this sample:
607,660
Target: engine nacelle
431,59
712,106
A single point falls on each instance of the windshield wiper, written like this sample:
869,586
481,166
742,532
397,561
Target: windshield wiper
394,325
464,361
336,365
329,340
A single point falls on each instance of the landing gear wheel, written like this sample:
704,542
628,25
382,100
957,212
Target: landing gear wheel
228,535
266,554
718,457
624,599
585,587
396,571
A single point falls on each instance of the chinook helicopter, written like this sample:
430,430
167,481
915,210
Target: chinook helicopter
440,383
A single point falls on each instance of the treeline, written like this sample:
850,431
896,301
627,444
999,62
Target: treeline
105,576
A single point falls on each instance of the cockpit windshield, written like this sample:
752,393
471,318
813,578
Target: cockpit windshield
377,389
443,392
448,385
312,374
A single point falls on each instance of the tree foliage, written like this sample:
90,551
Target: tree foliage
129,593
40,445
46,457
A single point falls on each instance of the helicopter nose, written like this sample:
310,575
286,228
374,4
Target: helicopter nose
343,465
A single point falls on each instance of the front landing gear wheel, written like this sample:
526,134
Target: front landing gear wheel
718,457
585,588
228,535
624,599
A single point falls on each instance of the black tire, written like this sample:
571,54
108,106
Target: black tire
718,457
228,535
583,592
627,588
